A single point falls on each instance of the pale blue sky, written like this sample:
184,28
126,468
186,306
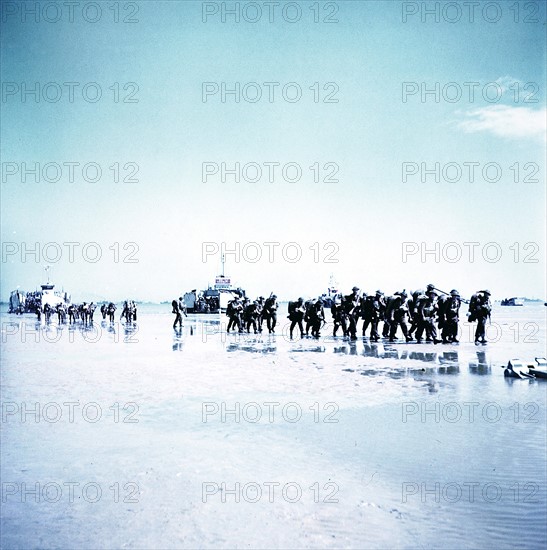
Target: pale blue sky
369,133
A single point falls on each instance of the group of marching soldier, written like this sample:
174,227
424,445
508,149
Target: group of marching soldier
84,312
243,314
432,312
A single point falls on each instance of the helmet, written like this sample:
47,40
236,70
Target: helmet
454,293
354,289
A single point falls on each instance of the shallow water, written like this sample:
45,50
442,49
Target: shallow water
391,445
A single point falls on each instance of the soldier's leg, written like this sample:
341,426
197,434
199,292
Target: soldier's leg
344,324
404,328
374,330
393,330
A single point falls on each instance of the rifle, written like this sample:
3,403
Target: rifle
448,294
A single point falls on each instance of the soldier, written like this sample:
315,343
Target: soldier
296,316
480,309
317,316
386,330
451,316
259,313
418,320
427,309
90,311
61,313
84,312
179,309
111,309
47,312
71,314
413,310
338,315
270,313
373,312
308,306
398,315
233,311
351,309
250,315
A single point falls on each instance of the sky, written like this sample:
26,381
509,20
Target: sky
368,116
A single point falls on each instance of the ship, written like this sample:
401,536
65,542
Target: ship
512,302
332,291
30,302
215,298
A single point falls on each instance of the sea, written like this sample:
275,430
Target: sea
138,436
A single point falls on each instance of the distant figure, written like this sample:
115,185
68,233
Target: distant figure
103,310
47,312
71,314
480,309
296,316
91,311
179,309
111,309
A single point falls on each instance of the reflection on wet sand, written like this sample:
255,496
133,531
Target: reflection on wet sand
481,366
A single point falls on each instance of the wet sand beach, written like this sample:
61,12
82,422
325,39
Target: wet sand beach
141,437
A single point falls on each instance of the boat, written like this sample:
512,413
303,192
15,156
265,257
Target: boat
30,302
539,370
332,291
516,369
512,302
214,299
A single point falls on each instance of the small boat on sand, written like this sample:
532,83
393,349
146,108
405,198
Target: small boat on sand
516,369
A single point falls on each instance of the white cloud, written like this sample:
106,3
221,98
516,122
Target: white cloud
507,122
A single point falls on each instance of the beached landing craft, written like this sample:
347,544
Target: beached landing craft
29,302
332,291
512,302
215,299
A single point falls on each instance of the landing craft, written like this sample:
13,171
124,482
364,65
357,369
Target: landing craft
29,302
215,299
512,302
